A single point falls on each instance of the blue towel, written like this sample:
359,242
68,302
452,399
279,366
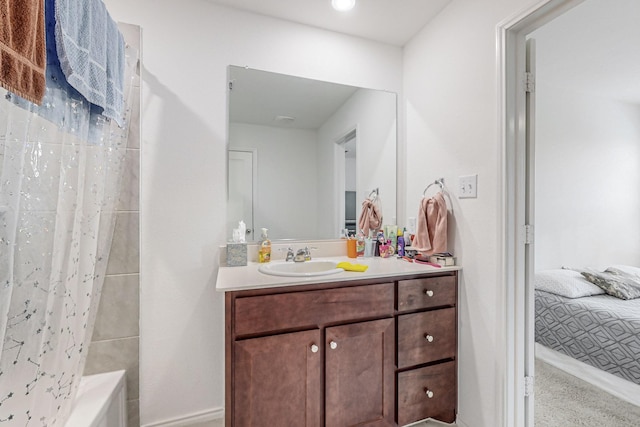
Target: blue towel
91,52
62,105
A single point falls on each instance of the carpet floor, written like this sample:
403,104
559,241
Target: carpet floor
562,400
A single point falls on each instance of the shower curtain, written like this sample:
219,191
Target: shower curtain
59,185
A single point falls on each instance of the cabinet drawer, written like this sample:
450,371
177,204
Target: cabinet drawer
429,392
294,310
427,292
426,337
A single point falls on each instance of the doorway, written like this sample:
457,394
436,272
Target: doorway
518,204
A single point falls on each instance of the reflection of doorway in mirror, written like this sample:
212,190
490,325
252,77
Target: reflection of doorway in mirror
242,183
348,145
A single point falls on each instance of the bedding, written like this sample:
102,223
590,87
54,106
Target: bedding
600,330
565,282
634,271
615,282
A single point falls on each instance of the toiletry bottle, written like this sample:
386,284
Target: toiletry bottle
393,235
407,237
401,245
264,251
360,244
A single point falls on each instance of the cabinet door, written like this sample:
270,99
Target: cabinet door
277,381
360,387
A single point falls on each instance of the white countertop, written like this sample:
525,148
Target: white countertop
248,277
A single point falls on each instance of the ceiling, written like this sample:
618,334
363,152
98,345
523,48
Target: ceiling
393,22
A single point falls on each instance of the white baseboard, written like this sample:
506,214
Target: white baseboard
612,384
217,413
186,420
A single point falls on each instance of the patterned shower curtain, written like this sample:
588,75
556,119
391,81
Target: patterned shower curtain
59,186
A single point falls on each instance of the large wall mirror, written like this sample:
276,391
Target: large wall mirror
304,154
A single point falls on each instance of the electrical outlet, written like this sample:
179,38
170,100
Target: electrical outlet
411,225
468,187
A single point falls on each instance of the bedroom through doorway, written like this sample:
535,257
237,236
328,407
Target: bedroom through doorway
575,185
586,160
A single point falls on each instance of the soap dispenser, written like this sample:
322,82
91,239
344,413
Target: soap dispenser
264,251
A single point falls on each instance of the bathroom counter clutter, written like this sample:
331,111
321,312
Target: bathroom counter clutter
249,276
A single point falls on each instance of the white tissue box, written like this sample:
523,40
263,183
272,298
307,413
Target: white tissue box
236,254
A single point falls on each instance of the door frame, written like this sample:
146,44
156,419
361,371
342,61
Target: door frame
517,294
340,173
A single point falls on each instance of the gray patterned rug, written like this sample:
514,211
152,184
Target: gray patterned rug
562,400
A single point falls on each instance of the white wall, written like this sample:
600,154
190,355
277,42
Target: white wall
287,203
451,110
587,176
187,46
588,137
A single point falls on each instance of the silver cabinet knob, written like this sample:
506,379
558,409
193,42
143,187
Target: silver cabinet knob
428,337
428,293
333,345
429,393
314,348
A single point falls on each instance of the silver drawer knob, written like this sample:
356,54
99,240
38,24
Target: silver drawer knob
429,394
314,348
333,345
428,293
428,337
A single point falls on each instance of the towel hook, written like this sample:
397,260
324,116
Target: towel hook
373,193
439,182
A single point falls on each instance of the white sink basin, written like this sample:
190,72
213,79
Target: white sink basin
300,269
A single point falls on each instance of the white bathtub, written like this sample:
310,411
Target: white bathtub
101,401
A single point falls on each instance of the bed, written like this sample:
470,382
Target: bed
579,319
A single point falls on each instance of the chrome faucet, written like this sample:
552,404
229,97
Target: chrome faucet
307,253
290,255
301,255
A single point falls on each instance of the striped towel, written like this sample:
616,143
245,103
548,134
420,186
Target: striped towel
22,48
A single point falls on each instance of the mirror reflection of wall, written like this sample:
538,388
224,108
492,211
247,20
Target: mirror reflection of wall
297,129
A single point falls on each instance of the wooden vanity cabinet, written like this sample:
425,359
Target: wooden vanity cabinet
340,354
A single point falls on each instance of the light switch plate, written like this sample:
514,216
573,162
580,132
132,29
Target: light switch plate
411,225
468,187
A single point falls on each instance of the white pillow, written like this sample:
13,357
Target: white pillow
634,271
566,283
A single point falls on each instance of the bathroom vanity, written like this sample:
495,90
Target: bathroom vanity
377,348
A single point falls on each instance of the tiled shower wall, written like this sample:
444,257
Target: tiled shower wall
115,342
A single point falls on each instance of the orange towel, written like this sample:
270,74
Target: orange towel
22,48
431,226
370,217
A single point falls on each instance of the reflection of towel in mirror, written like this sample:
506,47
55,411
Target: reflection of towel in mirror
431,226
370,217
